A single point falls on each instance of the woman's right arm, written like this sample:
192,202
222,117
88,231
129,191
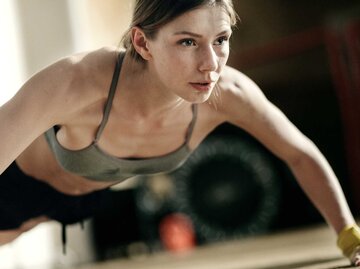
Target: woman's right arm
42,101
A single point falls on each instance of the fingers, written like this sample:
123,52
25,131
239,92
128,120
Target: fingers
355,260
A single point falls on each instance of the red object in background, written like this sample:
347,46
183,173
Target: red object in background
177,232
343,45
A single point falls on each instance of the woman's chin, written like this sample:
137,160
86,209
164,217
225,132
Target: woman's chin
199,97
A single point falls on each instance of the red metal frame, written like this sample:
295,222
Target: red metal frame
282,48
342,41
343,45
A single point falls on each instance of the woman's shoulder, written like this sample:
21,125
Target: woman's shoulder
95,60
234,82
70,84
235,85
85,68
91,71
90,75
86,76
238,94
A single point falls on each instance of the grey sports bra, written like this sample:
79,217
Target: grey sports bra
95,164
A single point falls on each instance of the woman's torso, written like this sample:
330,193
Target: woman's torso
122,137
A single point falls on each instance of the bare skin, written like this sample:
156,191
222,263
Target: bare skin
154,101
126,135
10,235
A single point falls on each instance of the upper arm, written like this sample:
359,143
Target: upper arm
244,105
40,103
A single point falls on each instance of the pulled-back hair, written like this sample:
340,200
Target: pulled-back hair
150,15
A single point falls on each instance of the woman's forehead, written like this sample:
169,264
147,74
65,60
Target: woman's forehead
199,19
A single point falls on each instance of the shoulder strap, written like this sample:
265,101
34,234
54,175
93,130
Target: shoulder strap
190,129
111,95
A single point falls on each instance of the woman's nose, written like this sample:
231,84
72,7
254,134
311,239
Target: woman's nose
208,60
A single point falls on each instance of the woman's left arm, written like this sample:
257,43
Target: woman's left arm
244,105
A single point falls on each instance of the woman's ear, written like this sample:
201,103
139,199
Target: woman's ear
140,42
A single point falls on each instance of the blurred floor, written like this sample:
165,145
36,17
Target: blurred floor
307,248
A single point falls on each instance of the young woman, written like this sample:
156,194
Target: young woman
95,119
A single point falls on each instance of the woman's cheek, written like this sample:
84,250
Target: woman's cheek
224,58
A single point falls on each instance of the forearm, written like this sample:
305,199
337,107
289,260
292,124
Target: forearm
319,182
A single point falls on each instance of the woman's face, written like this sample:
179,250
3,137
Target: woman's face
189,53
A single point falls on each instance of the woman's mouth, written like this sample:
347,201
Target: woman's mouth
203,87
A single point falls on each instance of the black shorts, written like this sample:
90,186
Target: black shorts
23,197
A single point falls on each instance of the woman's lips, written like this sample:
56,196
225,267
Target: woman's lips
206,86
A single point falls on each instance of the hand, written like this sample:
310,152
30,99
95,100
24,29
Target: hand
349,242
355,259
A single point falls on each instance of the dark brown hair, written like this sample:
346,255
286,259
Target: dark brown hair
150,15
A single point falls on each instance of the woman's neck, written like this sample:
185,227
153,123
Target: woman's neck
139,89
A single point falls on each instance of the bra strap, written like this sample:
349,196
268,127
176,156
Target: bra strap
111,95
190,129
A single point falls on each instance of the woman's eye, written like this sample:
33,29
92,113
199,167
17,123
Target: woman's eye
220,41
187,42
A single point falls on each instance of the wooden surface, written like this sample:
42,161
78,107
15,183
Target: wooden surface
307,248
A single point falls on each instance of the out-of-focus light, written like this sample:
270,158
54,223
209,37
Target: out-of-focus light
11,69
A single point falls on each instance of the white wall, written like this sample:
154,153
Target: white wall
97,23
35,33
45,31
11,65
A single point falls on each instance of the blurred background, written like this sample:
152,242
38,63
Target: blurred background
303,54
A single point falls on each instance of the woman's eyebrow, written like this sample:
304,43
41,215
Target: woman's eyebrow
198,35
187,33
